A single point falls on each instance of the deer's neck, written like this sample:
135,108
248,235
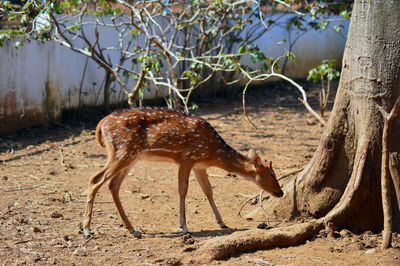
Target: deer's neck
234,162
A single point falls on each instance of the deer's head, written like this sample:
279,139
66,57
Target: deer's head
264,175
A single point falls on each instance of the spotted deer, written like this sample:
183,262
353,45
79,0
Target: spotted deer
166,134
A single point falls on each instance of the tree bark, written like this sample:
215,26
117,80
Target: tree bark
394,168
370,78
385,176
106,92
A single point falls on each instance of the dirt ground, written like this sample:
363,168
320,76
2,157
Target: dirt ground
43,180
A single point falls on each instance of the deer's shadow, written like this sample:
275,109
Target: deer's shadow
195,234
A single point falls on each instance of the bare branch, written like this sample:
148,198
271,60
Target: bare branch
385,183
132,96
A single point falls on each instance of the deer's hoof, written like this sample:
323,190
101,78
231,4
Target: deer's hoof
86,232
225,227
137,234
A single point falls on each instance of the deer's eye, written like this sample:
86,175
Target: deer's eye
273,175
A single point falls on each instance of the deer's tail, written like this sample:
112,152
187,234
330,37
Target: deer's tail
99,133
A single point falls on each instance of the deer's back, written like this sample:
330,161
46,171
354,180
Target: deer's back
159,132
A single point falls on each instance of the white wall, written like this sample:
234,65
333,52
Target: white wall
310,48
25,73
39,79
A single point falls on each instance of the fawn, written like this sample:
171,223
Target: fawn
166,134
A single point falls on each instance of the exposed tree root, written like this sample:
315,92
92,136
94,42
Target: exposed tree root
245,241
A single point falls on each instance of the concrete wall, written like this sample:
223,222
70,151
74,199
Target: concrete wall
38,80
310,47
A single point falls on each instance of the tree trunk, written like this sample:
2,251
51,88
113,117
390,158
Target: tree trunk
106,92
352,141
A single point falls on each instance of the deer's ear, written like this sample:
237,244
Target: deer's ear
251,153
270,164
256,161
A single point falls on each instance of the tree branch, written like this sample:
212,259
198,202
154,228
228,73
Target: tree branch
385,183
394,168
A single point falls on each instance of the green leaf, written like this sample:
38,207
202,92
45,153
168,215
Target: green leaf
7,4
253,58
188,73
290,55
194,107
338,27
327,68
242,49
17,44
126,74
345,14
266,67
26,5
323,25
140,92
23,19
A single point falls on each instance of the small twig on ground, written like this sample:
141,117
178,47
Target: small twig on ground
140,249
34,177
291,173
258,261
250,198
25,164
141,229
21,242
62,157
215,175
245,203
84,201
316,260
90,238
26,188
262,207
244,195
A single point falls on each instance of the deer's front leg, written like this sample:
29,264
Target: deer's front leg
183,179
202,177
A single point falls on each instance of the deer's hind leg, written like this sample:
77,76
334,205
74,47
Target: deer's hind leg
114,186
110,171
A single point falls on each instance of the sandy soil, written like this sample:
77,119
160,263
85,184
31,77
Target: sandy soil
43,180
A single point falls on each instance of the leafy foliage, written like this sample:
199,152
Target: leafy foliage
328,70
